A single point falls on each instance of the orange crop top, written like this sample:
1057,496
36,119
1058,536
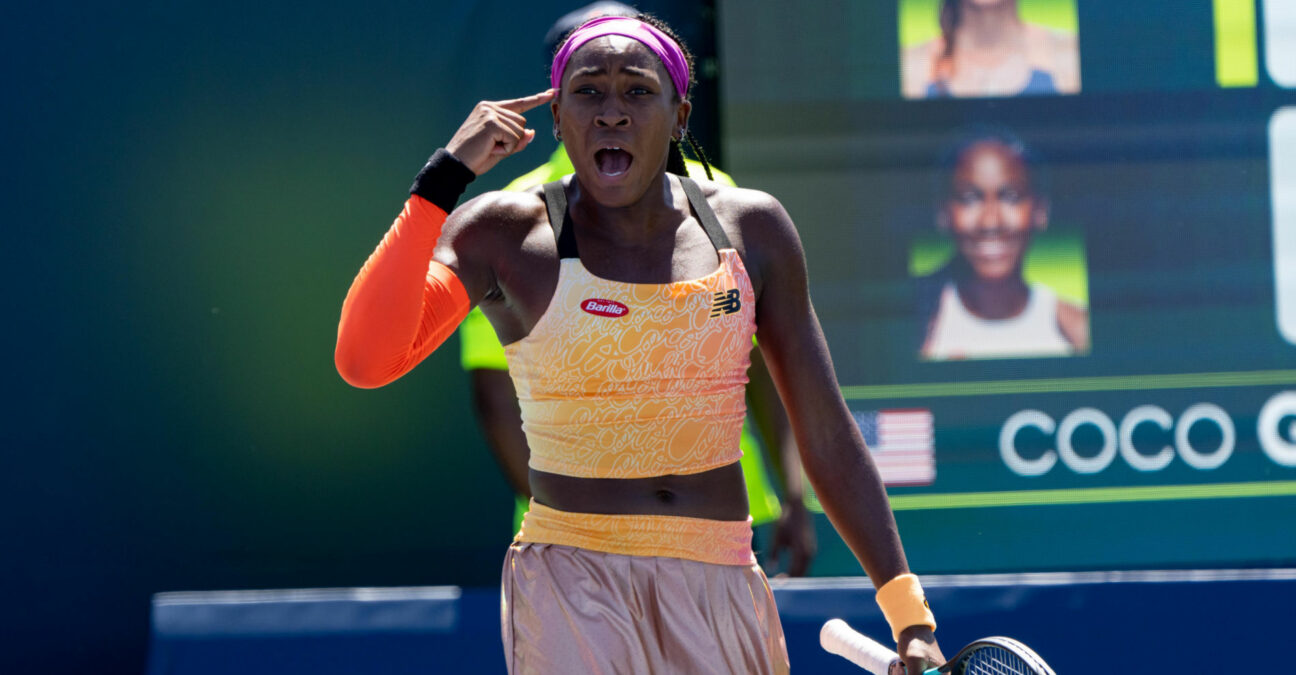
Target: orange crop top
625,380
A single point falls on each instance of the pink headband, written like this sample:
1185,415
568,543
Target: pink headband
665,48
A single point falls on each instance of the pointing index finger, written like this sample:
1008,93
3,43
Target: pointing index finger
521,105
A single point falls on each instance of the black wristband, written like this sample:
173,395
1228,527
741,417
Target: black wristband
442,180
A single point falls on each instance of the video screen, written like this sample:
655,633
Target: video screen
1052,244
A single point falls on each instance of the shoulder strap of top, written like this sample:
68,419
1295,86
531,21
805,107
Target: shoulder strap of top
705,215
560,220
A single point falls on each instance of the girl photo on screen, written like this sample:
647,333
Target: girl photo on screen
979,302
983,48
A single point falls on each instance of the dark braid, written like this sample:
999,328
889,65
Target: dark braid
950,17
696,149
675,160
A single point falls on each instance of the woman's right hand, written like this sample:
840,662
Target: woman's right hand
495,130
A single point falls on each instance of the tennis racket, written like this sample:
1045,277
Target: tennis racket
988,656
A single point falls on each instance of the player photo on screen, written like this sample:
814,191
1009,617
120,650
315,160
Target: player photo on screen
984,48
991,280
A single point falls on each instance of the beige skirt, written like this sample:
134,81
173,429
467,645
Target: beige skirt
568,610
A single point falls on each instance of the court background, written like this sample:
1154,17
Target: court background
191,187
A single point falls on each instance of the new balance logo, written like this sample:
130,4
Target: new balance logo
725,302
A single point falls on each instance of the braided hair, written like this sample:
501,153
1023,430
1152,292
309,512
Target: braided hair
675,159
950,18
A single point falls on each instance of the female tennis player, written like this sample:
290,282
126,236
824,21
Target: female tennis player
627,297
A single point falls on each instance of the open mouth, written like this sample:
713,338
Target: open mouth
612,162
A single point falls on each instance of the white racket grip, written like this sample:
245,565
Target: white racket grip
839,638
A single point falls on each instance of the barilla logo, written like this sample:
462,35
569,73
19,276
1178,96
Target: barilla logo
601,307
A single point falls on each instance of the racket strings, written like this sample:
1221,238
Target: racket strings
995,661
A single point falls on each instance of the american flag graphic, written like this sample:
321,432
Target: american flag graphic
901,444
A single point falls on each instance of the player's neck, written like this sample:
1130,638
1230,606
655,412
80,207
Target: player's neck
634,225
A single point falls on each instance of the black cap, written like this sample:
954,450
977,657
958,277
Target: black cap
574,18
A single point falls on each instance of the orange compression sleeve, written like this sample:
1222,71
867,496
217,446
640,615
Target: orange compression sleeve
402,304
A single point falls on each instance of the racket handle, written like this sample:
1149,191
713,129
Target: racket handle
839,638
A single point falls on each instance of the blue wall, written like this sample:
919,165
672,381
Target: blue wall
1079,623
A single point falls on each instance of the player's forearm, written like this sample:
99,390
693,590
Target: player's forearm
850,489
402,304
853,496
835,459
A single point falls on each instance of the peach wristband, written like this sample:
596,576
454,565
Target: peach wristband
904,605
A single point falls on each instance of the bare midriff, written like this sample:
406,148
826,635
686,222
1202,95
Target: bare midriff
717,494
